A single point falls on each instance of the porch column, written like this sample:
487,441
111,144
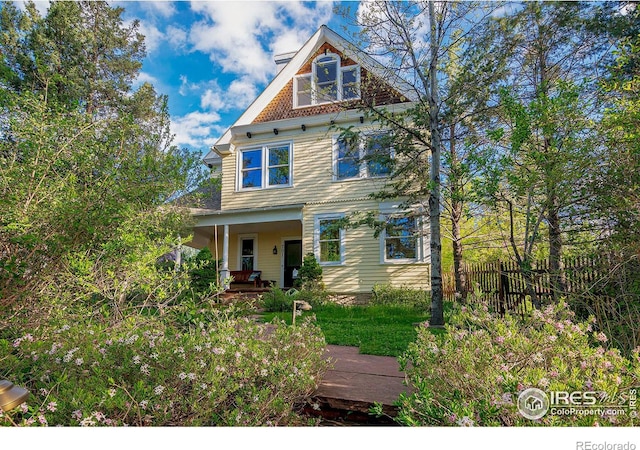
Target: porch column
224,272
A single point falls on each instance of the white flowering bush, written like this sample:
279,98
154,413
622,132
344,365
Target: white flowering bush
144,372
473,373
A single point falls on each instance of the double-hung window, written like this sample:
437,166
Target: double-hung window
329,239
326,76
368,157
278,165
377,154
251,171
402,240
347,160
327,82
350,82
265,167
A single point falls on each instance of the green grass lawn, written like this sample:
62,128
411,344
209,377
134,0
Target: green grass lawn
376,329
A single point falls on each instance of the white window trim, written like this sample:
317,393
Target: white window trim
363,171
421,240
242,237
316,238
314,86
264,166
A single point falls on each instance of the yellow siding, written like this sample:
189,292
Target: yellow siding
362,267
312,175
313,186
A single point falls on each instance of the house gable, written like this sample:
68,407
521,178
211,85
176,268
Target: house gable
275,101
373,90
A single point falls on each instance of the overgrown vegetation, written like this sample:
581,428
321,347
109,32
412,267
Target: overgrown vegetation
473,373
227,371
385,294
310,274
93,323
203,272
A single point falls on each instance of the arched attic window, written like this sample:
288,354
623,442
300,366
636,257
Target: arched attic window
327,82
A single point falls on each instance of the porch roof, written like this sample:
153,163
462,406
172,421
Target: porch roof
245,220
263,214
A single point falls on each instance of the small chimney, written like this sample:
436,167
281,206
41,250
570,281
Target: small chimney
283,59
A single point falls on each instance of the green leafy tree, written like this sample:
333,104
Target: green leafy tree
616,190
80,54
86,173
204,274
428,46
546,126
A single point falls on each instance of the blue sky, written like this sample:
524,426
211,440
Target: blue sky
213,58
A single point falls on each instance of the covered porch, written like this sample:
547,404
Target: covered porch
267,240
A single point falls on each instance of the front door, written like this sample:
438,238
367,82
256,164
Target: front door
292,261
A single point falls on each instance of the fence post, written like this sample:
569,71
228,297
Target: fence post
502,281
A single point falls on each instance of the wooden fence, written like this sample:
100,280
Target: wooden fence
503,286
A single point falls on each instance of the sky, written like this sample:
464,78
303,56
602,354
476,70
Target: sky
213,58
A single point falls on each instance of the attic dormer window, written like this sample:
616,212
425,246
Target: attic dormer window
327,82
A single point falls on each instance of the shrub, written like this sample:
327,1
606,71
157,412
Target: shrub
385,294
144,372
277,300
315,297
474,373
203,272
310,274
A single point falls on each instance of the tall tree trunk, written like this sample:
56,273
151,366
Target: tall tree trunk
456,217
555,249
524,260
461,282
437,314
553,212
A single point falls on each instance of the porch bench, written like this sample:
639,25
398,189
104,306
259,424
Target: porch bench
247,277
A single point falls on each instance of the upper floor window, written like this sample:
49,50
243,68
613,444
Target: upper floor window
266,166
327,82
369,156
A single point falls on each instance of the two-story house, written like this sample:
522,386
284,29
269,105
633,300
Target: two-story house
287,177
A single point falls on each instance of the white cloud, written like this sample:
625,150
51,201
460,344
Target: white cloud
237,95
144,77
177,37
187,88
198,130
165,9
212,100
242,37
153,37
241,93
